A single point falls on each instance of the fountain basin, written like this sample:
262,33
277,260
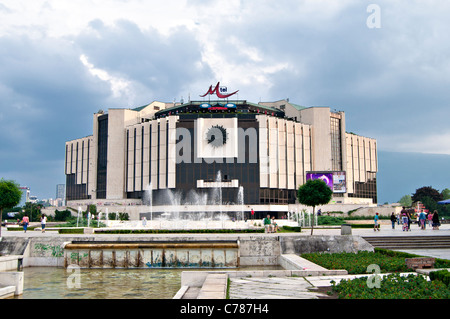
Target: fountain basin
152,255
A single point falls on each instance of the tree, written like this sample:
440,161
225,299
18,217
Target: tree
426,191
313,193
406,200
10,195
429,203
445,194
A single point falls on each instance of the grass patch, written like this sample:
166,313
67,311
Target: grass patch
357,263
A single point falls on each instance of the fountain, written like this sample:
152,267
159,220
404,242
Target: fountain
197,209
240,201
78,215
148,198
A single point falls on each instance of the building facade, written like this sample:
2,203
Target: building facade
183,152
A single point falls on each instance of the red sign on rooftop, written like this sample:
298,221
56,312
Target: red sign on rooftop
220,91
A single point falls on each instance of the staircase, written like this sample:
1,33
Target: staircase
409,242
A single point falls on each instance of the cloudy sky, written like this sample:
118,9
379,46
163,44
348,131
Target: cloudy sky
387,66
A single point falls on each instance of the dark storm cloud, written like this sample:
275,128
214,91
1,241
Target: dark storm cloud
49,96
158,67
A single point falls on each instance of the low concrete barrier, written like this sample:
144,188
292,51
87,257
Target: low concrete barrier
12,279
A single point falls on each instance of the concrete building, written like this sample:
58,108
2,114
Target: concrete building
265,150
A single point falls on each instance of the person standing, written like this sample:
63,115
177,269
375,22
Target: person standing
376,224
267,224
436,223
408,214
43,223
25,222
422,218
430,219
393,220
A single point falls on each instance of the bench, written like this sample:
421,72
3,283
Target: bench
420,262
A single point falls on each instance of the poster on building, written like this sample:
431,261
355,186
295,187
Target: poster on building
339,182
334,180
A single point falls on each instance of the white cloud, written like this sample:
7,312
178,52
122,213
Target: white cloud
119,87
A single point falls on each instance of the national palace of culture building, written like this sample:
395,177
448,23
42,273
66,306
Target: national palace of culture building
266,149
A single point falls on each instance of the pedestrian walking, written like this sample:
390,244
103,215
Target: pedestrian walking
25,222
436,223
376,224
404,221
43,223
393,220
408,214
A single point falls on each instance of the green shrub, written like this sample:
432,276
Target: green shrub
62,215
292,228
441,275
330,220
392,286
177,231
71,231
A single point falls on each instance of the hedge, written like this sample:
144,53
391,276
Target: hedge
71,231
392,286
177,231
441,275
293,228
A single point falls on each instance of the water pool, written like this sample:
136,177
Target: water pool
59,283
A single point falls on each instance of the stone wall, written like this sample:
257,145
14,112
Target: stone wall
331,244
254,250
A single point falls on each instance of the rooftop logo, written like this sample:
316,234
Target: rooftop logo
220,91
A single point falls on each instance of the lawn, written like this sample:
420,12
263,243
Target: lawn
390,286
356,263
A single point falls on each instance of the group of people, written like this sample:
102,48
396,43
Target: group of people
270,226
405,217
26,221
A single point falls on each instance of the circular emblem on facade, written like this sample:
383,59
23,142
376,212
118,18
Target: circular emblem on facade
217,136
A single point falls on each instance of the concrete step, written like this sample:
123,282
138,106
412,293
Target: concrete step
409,242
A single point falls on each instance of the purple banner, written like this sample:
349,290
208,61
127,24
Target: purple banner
326,177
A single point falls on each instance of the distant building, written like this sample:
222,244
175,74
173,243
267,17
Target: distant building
60,194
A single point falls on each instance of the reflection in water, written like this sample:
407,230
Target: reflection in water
58,283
